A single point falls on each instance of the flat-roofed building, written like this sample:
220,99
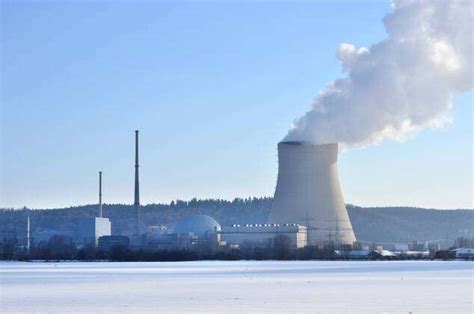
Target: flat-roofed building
89,230
259,233
465,253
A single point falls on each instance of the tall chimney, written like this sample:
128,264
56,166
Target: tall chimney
100,194
137,187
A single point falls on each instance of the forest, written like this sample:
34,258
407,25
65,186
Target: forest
389,224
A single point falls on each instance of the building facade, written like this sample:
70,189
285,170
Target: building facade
259,233
89,230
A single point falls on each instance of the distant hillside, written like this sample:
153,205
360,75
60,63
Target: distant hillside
389,224
402,224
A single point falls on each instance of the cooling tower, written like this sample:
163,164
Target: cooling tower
308,192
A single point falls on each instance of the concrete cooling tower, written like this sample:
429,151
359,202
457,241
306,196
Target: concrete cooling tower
308,192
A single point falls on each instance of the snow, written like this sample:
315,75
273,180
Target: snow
238,286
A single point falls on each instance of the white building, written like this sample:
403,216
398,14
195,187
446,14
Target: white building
259,233
465,253
89,230
188,232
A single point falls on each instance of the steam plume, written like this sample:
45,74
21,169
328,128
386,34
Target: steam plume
402,84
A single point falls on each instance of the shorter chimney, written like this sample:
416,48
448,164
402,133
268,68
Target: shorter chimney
100,194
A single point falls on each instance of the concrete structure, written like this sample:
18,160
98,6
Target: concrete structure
259,233
136,199
358,254
381,254
308,192
464,253
413,254
89,230
188,232
107,243
200,225
433,248
100,193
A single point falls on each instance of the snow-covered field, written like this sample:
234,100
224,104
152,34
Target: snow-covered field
241,286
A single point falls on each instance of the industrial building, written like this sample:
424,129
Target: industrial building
188,232
308,207
259,233
200,225
381,254
89,230
205,230
464,253
308,193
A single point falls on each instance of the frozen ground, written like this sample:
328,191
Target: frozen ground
241,286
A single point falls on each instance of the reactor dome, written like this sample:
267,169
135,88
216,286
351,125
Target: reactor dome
198,224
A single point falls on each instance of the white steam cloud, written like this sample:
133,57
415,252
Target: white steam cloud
402,84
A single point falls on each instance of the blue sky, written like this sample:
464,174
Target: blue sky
213,87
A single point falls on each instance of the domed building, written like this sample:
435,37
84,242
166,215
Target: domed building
188,232
200,225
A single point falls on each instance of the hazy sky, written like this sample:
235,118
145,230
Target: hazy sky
213,87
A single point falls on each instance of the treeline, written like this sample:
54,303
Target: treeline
63,248
384,224
278,248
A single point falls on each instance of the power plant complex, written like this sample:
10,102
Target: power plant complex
308,208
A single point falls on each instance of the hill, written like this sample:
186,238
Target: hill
388,224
